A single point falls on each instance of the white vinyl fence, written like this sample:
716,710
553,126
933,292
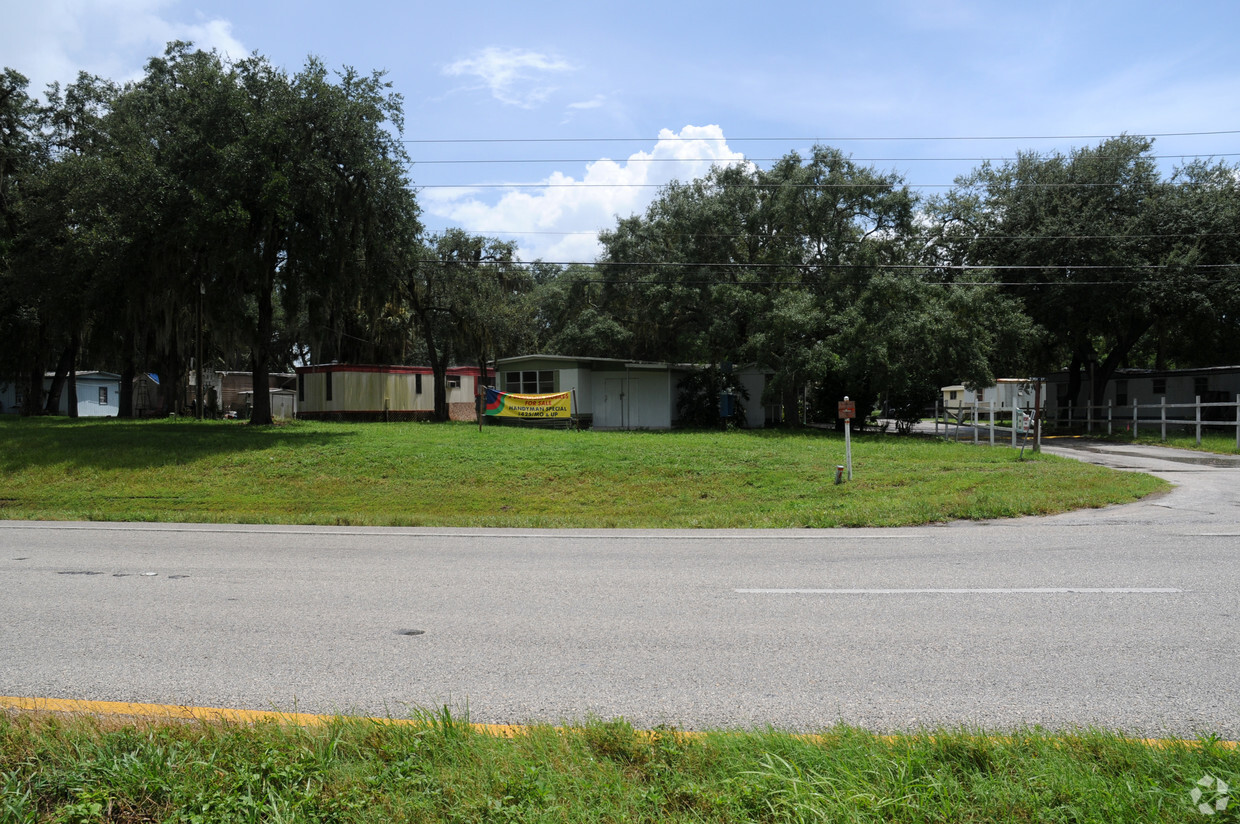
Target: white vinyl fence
1138,417
981,415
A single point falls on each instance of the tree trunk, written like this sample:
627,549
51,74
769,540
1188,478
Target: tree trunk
32,404
260,411
52,403
73,393
124,404
1074,382
439,373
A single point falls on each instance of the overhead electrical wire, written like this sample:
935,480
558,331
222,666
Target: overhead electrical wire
922,267
735,236
888,138
513,186
824,186
495,161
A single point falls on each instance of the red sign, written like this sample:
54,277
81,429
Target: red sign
848,409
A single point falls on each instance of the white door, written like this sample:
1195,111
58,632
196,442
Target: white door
613,404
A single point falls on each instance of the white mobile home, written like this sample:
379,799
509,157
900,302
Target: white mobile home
1007,394
613,393
98,394
1149,386
339,391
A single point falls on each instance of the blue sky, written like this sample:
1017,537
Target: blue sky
609,101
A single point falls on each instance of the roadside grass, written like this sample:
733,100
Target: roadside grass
84,769
1210,442
453,475
1216,439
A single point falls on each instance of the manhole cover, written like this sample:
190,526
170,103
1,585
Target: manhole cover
411,632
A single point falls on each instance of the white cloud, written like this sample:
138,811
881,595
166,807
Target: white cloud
53,40
596,102
513,76
559,219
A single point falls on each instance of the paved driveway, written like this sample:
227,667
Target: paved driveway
1207,486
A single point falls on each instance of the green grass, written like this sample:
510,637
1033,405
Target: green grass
55,769
453,475
1210,442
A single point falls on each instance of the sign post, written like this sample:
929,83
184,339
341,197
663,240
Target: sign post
848,411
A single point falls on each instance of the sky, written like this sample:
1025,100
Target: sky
545,122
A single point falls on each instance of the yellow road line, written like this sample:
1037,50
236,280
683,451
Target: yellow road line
172,712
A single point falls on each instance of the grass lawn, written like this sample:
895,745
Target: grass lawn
87,770
1210,442
411,474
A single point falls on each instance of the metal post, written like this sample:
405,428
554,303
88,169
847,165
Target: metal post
1109,411
198,393
1037,416
1238,423
1069,414
1199,420
848,443
992,423
1135,420
975,420
1089,414
1163,412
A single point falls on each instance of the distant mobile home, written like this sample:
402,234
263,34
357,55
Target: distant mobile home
1006,394
1212,384
613,393
97,394
340,391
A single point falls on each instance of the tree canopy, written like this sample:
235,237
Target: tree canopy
270,215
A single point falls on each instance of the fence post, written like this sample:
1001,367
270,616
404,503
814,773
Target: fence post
1089,415
936,417
1069,414
1199,420
1135,419
1163,402
1109,416
992,420
1238,423
975,420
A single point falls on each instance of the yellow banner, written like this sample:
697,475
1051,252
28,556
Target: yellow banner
529,407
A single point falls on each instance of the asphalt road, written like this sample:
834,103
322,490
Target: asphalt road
1125,618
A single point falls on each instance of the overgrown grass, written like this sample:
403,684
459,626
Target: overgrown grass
87,770
1180,436
454,475
1210,442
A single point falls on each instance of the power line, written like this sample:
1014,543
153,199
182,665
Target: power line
922,267
943,138
736,236
820,186
493,161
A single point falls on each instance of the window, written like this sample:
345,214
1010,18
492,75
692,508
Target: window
301,387
454,381
951,396
1121,393
1201,387
417,384
327,384
103,396
530,383
1160,386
